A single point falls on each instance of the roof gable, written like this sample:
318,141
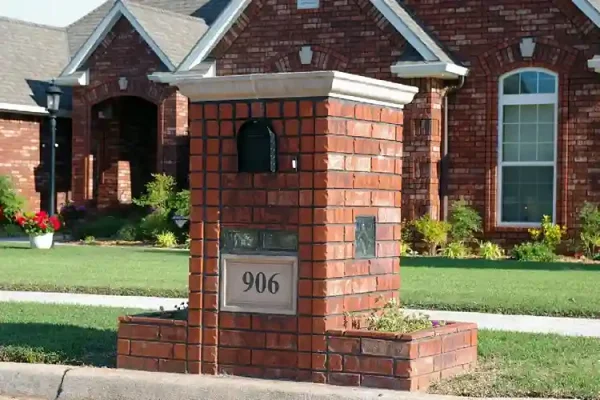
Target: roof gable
402,21
169,35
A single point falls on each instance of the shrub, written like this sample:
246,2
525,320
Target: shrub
405,249
71,214
435,233
393,319
166,239
10,231
490,251
589,217
103,227
456,250
159,193
10,202
153,224
533,251
128,233
89,240
465,221
181,203
549,233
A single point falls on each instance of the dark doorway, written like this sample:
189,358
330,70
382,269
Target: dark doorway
124,129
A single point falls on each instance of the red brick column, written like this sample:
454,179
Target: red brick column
175,131
338,160
422,151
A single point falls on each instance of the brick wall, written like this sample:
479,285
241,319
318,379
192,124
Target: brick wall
488,46
22,155
401,362
152,344
349,158
566,39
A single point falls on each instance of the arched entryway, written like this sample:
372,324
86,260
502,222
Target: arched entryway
124,148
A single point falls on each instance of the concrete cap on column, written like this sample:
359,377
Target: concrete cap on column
297,85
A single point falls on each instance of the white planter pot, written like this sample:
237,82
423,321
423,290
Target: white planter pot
43,242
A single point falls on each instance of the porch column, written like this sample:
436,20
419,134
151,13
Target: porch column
422,151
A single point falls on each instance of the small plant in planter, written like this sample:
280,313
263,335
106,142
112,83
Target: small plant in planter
40,227
392,318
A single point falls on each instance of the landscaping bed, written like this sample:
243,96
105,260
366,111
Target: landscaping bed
411,361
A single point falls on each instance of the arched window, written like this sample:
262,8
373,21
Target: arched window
257,147
527,147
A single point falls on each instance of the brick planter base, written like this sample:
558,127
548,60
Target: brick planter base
152,344
402,362
352,357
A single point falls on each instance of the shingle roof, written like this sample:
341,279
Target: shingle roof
174,33
80,30
31,55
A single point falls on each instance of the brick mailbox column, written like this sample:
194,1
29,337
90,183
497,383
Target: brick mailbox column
296,194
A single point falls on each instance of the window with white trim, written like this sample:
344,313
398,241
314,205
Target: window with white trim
527,147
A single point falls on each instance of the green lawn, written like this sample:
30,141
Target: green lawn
511,364
95,269
58,334
531,365
509,287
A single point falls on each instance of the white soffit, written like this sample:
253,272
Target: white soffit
440,70
80,78
298,85
98,35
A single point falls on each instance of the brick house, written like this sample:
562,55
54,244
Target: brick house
504,116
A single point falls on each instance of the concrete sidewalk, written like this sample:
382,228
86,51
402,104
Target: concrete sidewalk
52,382
512,323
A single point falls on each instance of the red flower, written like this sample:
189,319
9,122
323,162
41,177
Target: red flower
42,225
55,222
20,220
42,215
1,214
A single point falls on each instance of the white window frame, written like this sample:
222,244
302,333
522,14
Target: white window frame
524,99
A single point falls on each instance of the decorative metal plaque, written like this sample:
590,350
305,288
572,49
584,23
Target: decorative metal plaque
254,240
365,237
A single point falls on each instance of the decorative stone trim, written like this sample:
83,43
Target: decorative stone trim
298,85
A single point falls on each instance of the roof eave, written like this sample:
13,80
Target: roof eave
30,110
441,70
213,36
589,10
109,21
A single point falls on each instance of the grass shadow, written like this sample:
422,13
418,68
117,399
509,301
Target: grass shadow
440,262
15,247
63,344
